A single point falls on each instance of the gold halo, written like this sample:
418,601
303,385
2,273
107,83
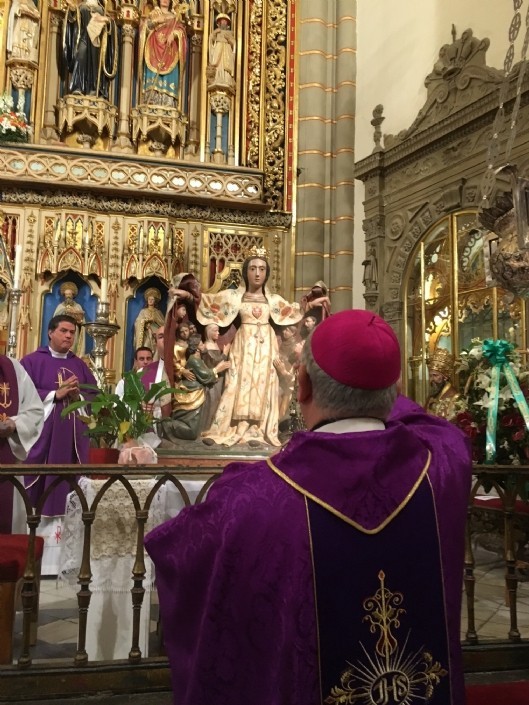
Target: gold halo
69,285
151,291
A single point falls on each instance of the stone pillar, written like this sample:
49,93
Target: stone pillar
49,131
325,185
128,18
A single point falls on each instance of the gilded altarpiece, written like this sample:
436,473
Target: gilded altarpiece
425,267
162,163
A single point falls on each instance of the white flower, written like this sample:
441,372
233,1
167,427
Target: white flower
484,402
483,380
505,394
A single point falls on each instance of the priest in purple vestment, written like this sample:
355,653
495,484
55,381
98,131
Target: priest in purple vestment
21,419
332,571
57,374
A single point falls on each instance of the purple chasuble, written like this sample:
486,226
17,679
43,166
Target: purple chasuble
63,441
149,374
8,408
376,615
237,580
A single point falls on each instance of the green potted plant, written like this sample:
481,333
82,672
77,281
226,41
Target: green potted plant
111,421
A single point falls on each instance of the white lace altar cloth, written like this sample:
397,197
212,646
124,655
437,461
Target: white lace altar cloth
112,556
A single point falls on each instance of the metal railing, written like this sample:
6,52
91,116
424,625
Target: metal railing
507,484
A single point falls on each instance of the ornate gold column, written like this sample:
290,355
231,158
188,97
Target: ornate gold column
129,19
327,70
49,132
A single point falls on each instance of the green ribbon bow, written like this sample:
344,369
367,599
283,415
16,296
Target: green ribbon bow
498,353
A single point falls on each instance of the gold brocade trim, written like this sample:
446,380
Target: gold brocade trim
315,597
343,517
440,544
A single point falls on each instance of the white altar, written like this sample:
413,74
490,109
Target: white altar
112,555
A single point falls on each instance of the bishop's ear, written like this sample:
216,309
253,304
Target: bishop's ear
304,385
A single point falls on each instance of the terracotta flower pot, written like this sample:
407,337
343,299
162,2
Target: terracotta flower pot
102,456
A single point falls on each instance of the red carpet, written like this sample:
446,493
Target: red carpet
498,694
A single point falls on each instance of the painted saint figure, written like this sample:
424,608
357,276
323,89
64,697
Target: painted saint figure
23,31
317,301
89,48
186,418
163,48
443,397
212,355
370,264
149,319
221,68
249,407
70,307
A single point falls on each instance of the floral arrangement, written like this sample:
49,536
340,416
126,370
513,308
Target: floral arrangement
13,125
111,419
493,410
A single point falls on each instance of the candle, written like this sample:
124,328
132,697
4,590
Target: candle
104,289
18,267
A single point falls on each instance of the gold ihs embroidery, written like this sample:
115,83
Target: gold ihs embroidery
390,676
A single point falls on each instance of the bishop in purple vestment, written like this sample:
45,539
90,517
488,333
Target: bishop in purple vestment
331,572
57,374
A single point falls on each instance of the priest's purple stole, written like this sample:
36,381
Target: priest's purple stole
8,408
380,606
